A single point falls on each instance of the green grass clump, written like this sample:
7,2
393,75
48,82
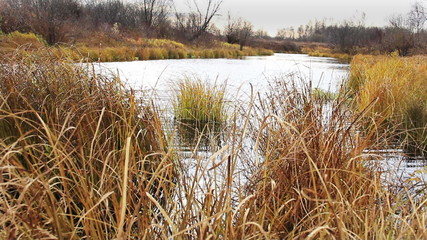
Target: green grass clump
200,101
80,154
158,53
21,42
18,39
325,95
342,57
164,43
324,51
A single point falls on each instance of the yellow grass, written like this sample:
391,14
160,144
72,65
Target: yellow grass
28,41
200,101
396,87
108,49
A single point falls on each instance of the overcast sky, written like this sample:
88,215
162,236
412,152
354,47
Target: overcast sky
271,15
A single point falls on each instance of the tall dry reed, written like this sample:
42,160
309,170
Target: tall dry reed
80,155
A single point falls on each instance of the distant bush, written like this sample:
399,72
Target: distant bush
291,47
17,39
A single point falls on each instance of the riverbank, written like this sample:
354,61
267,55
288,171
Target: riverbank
102,48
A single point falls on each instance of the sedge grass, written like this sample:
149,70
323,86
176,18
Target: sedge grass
313,181
79,156
322,51
398,88
342,57
82,158
200,101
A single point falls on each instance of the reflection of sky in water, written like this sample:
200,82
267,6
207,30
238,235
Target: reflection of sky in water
399,169
239,75
326,73
161,75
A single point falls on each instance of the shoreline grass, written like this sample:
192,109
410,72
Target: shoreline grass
126,50
396,87
342,57
79,154
315,50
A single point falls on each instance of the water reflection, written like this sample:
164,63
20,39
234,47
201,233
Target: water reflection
399,169
162,75
200,136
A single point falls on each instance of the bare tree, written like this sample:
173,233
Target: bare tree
301,32
46,17
405,32
281,34
231,31
238,31
417,17
245,33
260,33
154,12
397,21
197,22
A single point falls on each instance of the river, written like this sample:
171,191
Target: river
239,74
160,78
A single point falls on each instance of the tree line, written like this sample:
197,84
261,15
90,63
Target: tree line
59,20
405,33
65,20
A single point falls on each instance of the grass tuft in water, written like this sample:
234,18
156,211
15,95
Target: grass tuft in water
200,102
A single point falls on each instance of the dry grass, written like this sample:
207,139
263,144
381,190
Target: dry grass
342,57
397,89
101,47
312,183
81,157
323,50
17,39
28,42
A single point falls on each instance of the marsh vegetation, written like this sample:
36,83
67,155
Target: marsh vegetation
86,154
82,156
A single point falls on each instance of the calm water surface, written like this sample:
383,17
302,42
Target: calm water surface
239,74
161,77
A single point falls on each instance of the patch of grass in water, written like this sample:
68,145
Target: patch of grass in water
200,101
